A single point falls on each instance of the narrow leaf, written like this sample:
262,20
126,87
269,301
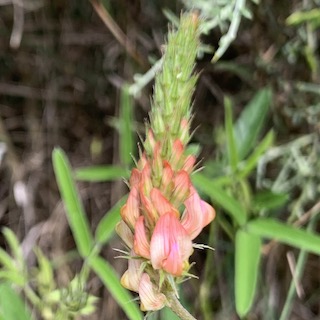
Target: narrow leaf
14,245
218,195
247,258
111,281
11,305
106,226
269,200
253,159
13,276
231,142
126,121
101,173
251,121
6,261
273,229
299,17
75,213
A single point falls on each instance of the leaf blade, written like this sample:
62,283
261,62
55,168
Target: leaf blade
250,123
101,173
126,141
106,226
231,142
247,260
74,209
287,234
11,305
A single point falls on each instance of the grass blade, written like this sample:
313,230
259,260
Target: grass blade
272,229
218,195
106,226
231,142
250,123
252,161
75,213
101,173
111,281
126,120
14,245
247,260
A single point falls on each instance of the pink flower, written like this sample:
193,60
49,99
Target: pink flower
161,204
189,163
131,278
182,185
197,215
151,298
170,245
130,211
177,154
167,179
135,280
141,243
125,233
135,177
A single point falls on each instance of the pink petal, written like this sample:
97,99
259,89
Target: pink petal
177,152
150,211
134,178
131,278
189,163
161,204
141,243
182,185
170,245
125,233
167,179
197,215
151,298
130,211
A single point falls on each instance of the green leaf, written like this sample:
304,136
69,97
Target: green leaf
11,305
101,173
269,200
218,195
14,276
126,120
75,213
253,159
6,261
273,229
231,142
106,226
111,281
13,244
250,123
45,277
303,16
247,260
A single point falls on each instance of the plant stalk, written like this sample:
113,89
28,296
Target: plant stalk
175,305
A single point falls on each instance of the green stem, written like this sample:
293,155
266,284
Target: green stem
286,311
175,305
32,297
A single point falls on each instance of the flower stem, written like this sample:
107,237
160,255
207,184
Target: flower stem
175,305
